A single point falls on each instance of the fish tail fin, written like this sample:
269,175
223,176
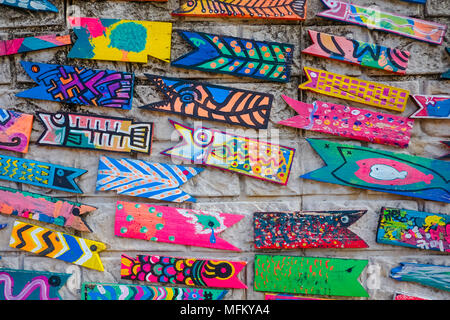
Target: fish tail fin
403,174
140,136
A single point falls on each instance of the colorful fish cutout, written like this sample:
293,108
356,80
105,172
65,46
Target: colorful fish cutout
357,52
34,5
43,208
173,225
237,56
30,284
218,149
139,178
350,122
378,20
119,291
308,229
380,170
353,89
41,174
21,45
184,271
207,101
436,276
414,229
432,107
57,245
94,132
445,156
309,275
77,85
15,130
266,9
120,40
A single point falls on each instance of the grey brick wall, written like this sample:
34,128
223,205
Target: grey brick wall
217,190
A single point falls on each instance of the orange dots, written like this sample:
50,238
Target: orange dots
231,68
251,65
267,54
288,49
220,46
247,70
276,49
280,69
281,56
233,43
213,65
221,61
263,48
248,45
215,39
251,53
237,49
236,63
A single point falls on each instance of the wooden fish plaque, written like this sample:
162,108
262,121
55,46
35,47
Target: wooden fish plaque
77,85
15,130
432,107
21,45
350,122
265,9
384,171
375,19
184,271
436,276
94,132
356,90
357,52
414,229
173,225
207,101
309,275
60,212
139,178
34,5
263,60
40,174
57,245
31,285
254,158
307,229
119,291
120,40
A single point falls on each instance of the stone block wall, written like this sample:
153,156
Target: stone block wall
218,190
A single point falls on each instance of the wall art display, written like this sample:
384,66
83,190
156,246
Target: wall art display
15,130
436,276
207,101
237,56
383,171
139,178
350,122
34,5
219,149
432,107
21,45
94,132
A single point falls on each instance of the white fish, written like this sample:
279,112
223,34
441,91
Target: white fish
385,172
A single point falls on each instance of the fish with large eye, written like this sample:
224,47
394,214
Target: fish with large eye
385,172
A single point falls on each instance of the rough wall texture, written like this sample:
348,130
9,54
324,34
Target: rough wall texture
217,190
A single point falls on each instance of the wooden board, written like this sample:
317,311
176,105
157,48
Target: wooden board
251,157
120,40
34,5
241,57
15,130
173,225
94,132
206,101
432,107
40,174
356,90
436,276
357,52
414,229
309,275
18,284
60,212
379,170
120,291
308,229
350,122
57,245
77,85
139,178
185,271
21,45
265,9
405,26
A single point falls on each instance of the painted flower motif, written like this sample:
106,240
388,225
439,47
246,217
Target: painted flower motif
256,169
193,294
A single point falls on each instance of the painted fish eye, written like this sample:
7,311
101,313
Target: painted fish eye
202,137
54,281
58,118
345,219
187,97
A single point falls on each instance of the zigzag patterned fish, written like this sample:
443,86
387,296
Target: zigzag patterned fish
53,244
237,56
31,285
145,179
35,5
244,9
41,174
20,45
95,132
203,100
